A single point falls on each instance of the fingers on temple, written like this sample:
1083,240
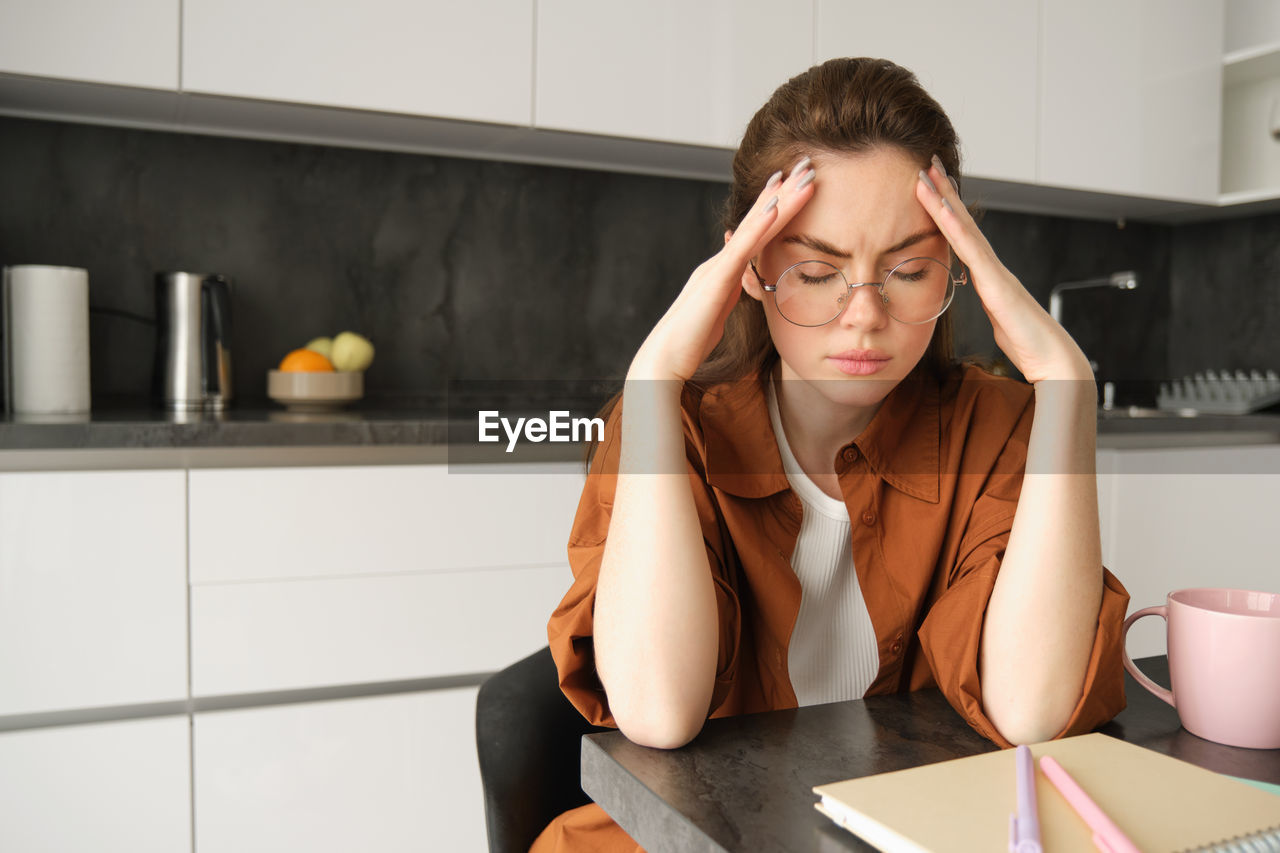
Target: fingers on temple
937,191
782,197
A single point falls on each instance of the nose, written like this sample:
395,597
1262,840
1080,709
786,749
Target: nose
863,306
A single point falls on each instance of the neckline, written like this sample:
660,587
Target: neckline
807,490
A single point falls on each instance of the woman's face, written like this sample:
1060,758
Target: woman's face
863,218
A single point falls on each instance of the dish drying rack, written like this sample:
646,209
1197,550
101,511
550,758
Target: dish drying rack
1221,392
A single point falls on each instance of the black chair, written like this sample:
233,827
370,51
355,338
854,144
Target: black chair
529,742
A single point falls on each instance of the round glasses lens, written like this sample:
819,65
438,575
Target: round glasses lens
917,290
811,293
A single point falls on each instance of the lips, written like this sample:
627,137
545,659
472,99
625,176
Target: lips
860,362
861,355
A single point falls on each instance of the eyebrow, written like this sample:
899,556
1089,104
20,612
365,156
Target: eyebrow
818,245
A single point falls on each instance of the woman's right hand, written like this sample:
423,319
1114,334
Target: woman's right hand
685,335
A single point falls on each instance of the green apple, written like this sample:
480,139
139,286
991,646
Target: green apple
351,352
324,346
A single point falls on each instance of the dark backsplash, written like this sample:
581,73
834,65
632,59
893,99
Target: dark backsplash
471,269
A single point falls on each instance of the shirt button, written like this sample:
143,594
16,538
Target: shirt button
868,518
849,454
896,648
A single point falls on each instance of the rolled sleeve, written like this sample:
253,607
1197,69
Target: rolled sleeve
571,628
951,638
951,634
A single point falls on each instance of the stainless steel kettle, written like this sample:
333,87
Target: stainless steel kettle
193,341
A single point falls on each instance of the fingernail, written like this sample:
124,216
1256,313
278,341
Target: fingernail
928,183
807,179
773,202
774,180
947,205
801,166
955,186
938,165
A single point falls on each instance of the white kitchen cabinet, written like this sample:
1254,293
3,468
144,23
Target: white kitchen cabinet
978,59
279,635
1131,97
117,787
1251,101
126,42
1192,517
668,70
93,589
386,773
347,521
469,61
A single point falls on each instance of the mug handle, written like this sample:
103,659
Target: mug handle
1160,693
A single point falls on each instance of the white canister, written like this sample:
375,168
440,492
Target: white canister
46,316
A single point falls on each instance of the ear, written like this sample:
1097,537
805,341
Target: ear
750,283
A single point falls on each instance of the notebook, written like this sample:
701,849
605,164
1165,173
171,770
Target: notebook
1163,804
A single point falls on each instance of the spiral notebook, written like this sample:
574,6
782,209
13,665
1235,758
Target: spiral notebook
1164,805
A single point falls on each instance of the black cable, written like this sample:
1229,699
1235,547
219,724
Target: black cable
128,315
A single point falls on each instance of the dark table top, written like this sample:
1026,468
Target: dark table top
745,783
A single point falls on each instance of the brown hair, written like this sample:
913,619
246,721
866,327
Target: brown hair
843,106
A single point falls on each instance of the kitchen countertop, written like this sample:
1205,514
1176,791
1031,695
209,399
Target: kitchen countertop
134,433
409,430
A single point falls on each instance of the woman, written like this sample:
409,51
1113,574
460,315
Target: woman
859,514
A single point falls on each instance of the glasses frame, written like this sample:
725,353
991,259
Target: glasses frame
962,280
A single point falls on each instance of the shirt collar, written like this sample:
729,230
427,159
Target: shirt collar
901,444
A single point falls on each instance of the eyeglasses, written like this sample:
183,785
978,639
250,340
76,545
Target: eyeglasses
813,293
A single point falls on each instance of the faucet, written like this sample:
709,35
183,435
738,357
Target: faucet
1126,280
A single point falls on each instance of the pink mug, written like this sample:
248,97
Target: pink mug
1224,664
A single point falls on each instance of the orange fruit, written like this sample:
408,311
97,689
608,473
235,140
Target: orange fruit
306,361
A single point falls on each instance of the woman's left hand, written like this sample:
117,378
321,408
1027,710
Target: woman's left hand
1034,342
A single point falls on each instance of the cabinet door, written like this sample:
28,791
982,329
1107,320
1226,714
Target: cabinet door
1132,97
1191,518
278,523
387,773
978,59
93,589
280,635
119,787
125,42
670,70
452,60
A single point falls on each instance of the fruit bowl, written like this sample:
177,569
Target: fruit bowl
319,391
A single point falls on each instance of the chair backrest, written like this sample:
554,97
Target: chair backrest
529,742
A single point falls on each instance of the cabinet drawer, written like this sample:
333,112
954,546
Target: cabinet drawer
120,787
386,773
93,597
276,523
280,635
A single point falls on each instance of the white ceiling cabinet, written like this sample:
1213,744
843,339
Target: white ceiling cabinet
1131,97
668,70
126,42
1251,101
1086,107
469,61
978,59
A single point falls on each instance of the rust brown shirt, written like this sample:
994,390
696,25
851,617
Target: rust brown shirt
931,486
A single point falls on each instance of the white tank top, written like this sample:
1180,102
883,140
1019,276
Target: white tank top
833,655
